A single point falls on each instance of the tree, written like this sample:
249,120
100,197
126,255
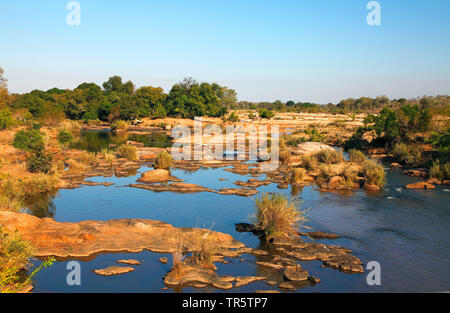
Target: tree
150,101
4,94
114,83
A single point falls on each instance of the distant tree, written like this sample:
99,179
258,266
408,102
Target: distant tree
290,103
114,83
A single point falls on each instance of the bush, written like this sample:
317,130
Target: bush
400,152
440,171
266,114
330,156
64,136
28,140
415,156
119,125
350,175
356,156
127,152
40,162
6,120
14,257
309,161
326,172
233,117
285,156
277,216
374,173
163,161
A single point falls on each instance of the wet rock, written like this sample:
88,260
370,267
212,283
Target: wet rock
238,192
282,185
259,252
415,173
271,282
296,273
286,286
252,183
245,280
310,148
371,187
271,265
244,227
314,279
114,270
192,274
129,262
345,262
420,185
163,260
157,176
51,238
267,291
174,187
322,235
395,165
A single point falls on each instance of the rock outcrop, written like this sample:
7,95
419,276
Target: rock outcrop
64,240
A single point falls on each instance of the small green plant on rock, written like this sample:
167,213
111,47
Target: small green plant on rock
163,161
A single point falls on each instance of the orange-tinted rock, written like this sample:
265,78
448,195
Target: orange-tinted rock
51,238
420,185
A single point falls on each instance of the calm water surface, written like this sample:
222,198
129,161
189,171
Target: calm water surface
406,231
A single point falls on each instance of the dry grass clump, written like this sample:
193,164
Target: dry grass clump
374,173
326,172
330,156
277,216
108,155
356,156
204,249
350,176
75,167
128,152
310,161
163,161
297,174
285,156
440,171
88,158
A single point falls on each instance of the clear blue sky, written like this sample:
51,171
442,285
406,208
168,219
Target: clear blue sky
312,50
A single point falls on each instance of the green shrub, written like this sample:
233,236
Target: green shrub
277,216
40,162
6,120
28,140
233,117
415,156
163,161
374,173
356,156
127,152
440,171
64,136
15,254
400,152
119,125
266,114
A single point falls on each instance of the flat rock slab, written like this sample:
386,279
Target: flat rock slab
129,262
114,270
238,192
64,240
322,235
174,187
420,185
157,176
163,260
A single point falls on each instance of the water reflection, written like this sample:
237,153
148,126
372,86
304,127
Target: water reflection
96,141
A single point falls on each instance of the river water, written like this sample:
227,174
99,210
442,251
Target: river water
406,231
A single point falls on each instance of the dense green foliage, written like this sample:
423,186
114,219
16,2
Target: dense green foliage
40,162
119,100
64,136
6,120
263,113
28,140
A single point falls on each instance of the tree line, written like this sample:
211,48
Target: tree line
119,100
